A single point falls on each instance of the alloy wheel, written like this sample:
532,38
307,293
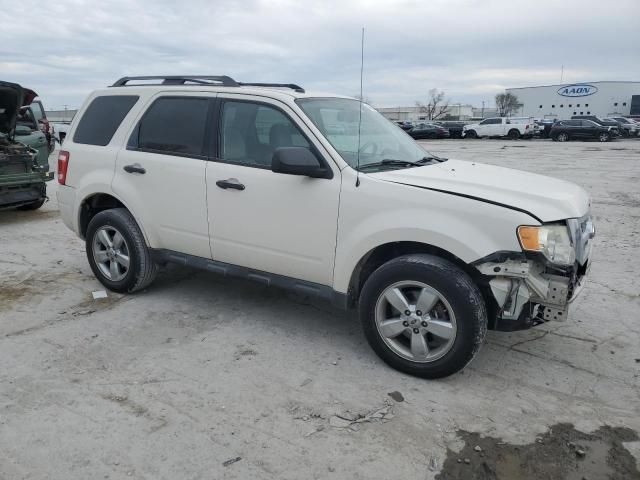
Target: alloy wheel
415,321
111,253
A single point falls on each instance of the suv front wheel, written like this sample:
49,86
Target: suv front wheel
117,252
423,315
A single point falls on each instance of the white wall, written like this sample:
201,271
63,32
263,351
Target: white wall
601,103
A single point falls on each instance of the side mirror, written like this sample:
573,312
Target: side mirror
22,130
298,161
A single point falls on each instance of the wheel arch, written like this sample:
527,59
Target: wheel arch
383,253
97,202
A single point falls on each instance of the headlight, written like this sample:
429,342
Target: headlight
551,240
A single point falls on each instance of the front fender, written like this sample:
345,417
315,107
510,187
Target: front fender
468,229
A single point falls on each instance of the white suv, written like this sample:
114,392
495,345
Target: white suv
321,195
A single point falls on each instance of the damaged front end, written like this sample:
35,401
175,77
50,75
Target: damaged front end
532,287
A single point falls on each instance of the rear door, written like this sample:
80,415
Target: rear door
161,172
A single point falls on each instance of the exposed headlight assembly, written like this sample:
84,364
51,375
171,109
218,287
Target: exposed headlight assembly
552,241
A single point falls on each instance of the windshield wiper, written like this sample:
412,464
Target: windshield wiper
431,158
391,163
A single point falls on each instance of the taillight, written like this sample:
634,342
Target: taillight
63,164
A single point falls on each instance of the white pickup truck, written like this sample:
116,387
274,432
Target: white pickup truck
272,184
512,127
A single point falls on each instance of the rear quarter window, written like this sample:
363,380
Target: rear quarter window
102,118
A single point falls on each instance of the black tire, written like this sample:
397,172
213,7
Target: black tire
562,137
142,269
461,293
33,205
604,137
471,134
513,134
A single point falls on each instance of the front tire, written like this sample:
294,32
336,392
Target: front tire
562,137
117,252
514,134
604,137
471,134
423,315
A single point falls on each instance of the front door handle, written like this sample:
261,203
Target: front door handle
135,168
230,183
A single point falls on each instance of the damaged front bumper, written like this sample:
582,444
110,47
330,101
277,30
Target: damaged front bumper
528,290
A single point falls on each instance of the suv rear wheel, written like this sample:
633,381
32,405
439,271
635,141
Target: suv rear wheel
423,315
117,252
514,134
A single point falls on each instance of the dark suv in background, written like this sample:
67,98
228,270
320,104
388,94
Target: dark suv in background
615,126
580,130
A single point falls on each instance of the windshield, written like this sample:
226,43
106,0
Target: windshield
380,140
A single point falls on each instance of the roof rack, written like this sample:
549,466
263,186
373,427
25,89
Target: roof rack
292,86
223,80
181,80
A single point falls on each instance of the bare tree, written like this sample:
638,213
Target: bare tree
436,107
507,103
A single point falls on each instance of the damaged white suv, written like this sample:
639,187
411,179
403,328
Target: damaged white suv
321,195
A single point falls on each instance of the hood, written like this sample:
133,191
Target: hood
11,95
544,198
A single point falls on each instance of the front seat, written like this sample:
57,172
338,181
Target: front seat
234,146
280,136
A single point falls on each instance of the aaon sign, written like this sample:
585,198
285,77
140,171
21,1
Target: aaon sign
577,90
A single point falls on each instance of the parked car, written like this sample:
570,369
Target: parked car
246,180
32,102
22,172
428,130
406,126
512,127
454,127
615,126
29,133
580,130
629,127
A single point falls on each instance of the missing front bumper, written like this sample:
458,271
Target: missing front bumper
526,294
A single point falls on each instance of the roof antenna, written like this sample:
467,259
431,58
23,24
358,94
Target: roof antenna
360,116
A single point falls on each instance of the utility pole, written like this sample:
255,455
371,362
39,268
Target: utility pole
482,114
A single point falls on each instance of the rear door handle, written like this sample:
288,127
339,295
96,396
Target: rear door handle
230,183
135,168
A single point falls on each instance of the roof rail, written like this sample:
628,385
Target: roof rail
292,86
181,80
223,80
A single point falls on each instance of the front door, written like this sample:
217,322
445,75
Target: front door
162,173
273,222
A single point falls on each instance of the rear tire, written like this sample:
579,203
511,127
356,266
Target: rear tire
433,343
117,252
33,206
513,134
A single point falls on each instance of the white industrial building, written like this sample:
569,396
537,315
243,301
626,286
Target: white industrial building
561,101
414,114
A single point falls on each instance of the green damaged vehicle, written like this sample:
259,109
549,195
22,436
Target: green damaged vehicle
24,166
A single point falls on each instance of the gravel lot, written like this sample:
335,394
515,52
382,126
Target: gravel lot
203,377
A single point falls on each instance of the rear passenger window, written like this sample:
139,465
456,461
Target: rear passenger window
174,125
102,118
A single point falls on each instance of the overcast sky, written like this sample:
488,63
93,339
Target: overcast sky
471,49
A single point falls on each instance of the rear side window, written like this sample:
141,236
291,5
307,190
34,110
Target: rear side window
174,125
102,118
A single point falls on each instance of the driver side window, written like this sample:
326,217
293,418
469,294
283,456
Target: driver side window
251,132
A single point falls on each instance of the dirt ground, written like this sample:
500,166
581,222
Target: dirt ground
201,377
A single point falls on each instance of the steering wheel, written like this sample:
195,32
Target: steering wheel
372,145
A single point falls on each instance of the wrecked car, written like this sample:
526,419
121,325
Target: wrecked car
24,163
